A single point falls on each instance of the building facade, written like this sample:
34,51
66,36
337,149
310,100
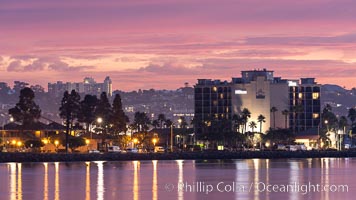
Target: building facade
257,90
88,86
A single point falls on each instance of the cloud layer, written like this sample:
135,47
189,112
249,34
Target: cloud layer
164,43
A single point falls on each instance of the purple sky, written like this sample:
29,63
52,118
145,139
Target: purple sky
164,43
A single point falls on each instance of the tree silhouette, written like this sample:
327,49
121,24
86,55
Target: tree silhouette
26,111
119,118
261,120
352,116
343,123
238,122
87,110
253,125
168,123
104,111
183,123
141,121
296,109
246,114
155,123
161,118
279,136
285,113
273,111
69,111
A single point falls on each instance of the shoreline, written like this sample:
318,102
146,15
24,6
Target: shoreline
209,155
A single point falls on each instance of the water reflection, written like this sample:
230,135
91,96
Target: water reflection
12,167
56,181
100,184
87,181
135,188
107,180
154,180
180,178
45,182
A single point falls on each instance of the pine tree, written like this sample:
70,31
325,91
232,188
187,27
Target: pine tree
26,110
119,118
69,111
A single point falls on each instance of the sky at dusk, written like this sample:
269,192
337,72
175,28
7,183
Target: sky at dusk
162,44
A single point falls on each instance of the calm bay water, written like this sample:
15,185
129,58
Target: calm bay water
325,178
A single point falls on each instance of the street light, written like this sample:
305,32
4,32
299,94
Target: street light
154,140
56,143
172,137
87,142
99,120
135,140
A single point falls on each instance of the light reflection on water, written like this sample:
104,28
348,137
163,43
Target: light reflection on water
148,179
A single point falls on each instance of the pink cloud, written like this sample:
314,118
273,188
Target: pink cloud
169,42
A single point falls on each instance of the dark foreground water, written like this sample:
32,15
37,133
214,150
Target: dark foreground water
325,178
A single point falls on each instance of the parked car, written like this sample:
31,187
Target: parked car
93,151
132,150
114,149
281,147
159,149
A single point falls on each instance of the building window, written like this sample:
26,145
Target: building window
215,103
300,95
315,95
315,115
215,89
221,96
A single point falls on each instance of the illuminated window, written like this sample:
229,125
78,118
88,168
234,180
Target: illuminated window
216,116
315,95
300,95
227,110
221,96
315,115
215,89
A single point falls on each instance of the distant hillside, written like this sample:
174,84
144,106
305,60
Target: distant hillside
330,87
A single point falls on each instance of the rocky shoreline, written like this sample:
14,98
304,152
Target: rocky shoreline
62,157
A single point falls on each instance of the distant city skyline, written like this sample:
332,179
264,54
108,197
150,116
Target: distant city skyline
163,44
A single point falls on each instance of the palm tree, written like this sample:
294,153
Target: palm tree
343,123
237,122
296,109
285,113
246,114
168,123
273,111
261,119
155,123
141,122
161,118
252,125
182,122
352,116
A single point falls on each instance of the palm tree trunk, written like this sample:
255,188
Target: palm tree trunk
261,127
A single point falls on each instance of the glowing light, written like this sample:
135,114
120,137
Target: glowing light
240,92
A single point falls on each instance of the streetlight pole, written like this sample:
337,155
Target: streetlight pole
99,120
172,137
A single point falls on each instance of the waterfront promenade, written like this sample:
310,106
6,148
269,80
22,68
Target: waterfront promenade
62,157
